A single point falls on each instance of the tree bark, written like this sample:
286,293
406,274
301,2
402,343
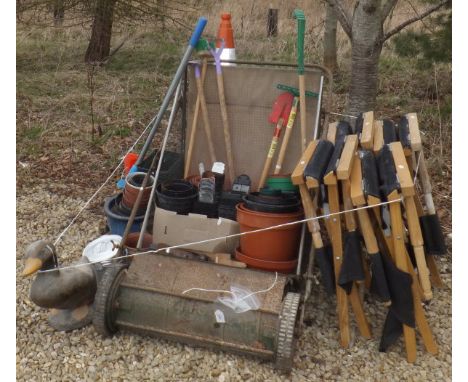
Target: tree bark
99,45
367,42
365,29
329,39
59,12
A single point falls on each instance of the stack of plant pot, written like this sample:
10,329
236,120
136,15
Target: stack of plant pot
177,196
270,250
119,207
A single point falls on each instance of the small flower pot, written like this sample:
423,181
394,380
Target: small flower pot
133,184
279,244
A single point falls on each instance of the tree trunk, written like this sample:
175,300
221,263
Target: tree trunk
59,12
329,40
367,34
99,45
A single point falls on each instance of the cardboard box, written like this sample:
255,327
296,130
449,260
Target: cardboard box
172,229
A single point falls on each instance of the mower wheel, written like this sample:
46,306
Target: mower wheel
105,299
286,340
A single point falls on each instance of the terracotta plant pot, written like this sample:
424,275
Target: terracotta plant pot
132,188
132,240
275,266
279,244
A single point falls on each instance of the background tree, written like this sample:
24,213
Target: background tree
102,14
366,32
433,43
329,39
99,44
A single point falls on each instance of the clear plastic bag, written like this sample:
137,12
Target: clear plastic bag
240,300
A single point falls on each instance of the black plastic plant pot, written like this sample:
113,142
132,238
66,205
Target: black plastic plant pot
208,209
271,208
182,205
281,199
177,188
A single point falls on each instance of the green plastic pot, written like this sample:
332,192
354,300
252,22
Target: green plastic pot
281,182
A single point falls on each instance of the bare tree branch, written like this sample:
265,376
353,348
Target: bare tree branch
342,15
417,13
387,8
427,12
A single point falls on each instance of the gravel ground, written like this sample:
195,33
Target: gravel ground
45,355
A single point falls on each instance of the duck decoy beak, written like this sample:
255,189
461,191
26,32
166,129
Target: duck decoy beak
32,266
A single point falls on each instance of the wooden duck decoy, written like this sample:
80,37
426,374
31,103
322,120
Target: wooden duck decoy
69,293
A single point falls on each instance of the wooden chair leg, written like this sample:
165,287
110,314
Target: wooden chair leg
402,264
435,275
337,244
417,243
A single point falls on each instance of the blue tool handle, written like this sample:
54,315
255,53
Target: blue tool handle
198,31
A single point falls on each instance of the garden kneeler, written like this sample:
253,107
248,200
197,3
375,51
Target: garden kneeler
388,174
434,242
321,254
365,130
416,238
352,237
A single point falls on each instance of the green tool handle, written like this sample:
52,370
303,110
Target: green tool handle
299,15
294,91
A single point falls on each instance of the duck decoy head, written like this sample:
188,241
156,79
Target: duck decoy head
39,255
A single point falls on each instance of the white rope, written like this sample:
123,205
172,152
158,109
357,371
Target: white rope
168,249
343,115
417,167
232,293
102,186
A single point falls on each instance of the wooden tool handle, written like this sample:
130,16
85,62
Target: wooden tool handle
206,120
287,135
271,153
193,130
227,134
302,100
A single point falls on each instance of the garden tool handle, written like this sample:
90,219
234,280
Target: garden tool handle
206,121
172,87
299,15
287,135
198,31
193,129
224,114
271,153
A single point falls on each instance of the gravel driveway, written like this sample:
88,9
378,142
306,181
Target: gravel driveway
45,355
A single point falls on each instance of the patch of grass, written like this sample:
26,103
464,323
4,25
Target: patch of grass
150,51
33,133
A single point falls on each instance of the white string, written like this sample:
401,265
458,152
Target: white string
168,249
102,186
228,291
343,115
417,167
